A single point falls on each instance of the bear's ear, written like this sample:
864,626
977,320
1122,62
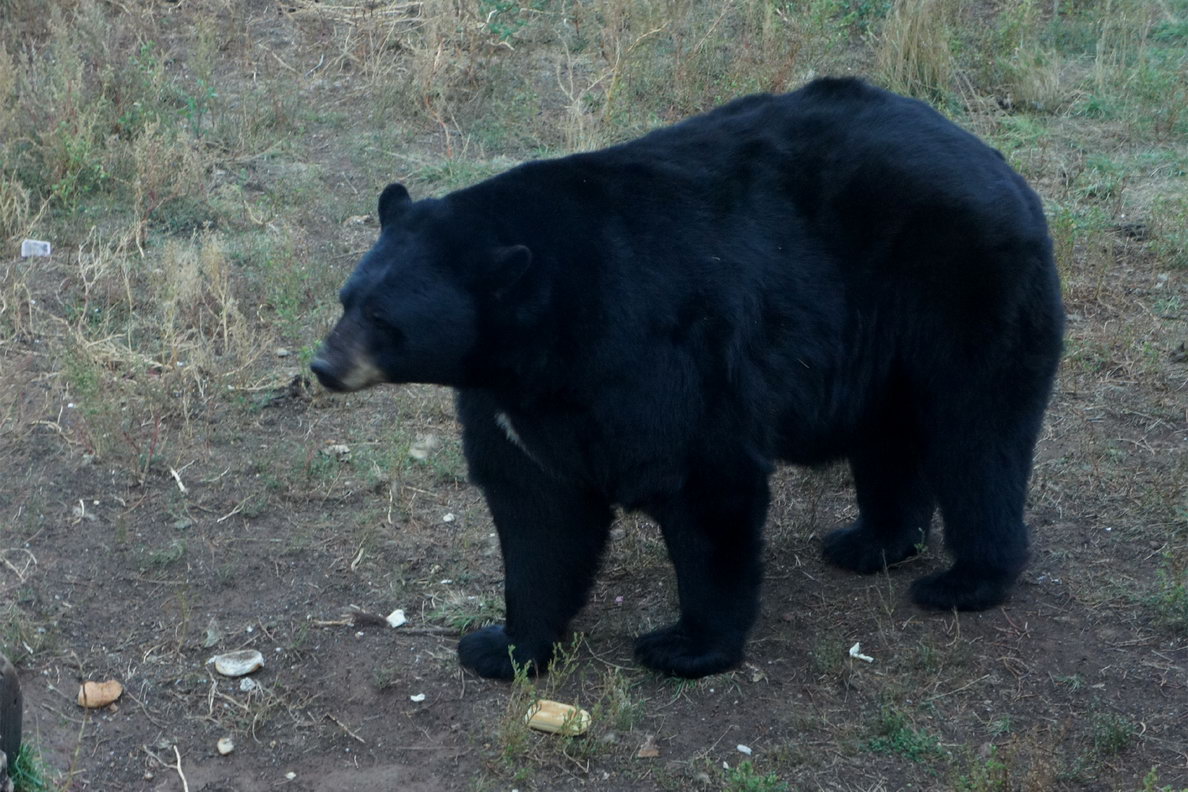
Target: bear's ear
506,266
392,203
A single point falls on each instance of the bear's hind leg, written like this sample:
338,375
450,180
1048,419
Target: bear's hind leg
895,506
980,472
712,529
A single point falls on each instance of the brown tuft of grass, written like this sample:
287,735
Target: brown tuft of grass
913,54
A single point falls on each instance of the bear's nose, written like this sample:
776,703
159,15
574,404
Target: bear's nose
326,375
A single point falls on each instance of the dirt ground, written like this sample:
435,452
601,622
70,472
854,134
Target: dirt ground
286,519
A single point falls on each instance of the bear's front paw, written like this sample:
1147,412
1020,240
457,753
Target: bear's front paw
961,589
490,652
672,650
858,550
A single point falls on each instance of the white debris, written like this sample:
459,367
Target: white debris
744,749
225,746
423,447
418,698
396,618
449,517
856,653
35,247
247,685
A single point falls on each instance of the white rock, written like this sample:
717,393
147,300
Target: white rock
247,685
35,247
744,749
418,698
396,618
225,746
237,664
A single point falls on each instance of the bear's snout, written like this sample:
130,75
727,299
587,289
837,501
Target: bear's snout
345,371
326,374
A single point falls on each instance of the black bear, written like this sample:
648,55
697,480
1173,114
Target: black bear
835,273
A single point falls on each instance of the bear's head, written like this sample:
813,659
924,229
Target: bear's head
419,304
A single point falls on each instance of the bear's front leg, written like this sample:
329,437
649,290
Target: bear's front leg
552,534
712,529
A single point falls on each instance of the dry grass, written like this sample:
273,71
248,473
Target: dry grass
914,54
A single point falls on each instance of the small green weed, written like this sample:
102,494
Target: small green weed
1151,783
21,639
29,773
166,556
461,612
745,778
1000,726
1170,598
896,736
1112,734
989,775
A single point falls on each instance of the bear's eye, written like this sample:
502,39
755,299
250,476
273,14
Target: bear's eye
374,315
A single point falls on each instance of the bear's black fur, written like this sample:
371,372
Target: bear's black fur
834,273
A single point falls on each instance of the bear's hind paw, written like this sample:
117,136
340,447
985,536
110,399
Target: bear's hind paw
490,652
961,589
856,549
671,650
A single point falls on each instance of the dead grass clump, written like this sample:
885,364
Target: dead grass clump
431,59
200,315
169,317
78,104
168,175
631,66
14,207
913,54
365,38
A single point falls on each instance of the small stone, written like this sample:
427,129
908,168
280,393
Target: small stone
213,635
744,749
418,698
225,746
290,775
247,685
281,352
396,618
237,664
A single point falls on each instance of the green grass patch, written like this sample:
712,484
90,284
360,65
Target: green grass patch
29,773
745,778
896,735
